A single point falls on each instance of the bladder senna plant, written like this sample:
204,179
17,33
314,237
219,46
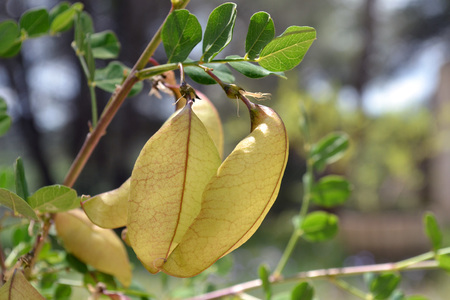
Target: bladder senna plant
185,209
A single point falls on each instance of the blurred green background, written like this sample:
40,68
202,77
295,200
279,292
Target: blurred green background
378,71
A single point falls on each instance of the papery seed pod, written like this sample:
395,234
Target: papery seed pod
98,247
109,209
237,198
167,182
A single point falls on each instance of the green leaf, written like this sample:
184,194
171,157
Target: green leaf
180,34
64,19
54,198
13,51
35,22
5,119
63,292
58,9
251,70
17,204
444,262
9,33
76,264
219,30
21,181
329,149
432,230
330,191
383,285
89,56
105,45
199,75
319,226
94,277
261,31
113,75
287,51
264,275
303,291
416,297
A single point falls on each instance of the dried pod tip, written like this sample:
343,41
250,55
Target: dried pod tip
188,92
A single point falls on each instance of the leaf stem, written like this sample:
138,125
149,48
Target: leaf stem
110,111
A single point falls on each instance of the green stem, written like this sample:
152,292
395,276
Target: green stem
419,258
93,104
348,287
287,252
297,233
157,70
94,137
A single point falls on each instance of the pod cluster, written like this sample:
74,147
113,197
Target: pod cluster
183,207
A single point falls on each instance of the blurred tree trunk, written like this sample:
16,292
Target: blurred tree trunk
363,62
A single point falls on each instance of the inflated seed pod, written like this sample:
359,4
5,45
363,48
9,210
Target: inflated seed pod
98,247
109,209
237,198
167,184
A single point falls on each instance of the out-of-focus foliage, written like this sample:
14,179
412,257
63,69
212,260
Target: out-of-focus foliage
388,153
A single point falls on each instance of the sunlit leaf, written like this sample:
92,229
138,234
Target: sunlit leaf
5,119
261,31
319,226
180,34
330,191
303,291
35,22
112,76
287,51
383,285
18,288
329,149
54,198
104,45
64,19
432,230
199,75
219,30
17,204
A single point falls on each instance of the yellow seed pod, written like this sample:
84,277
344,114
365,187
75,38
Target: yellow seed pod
167,183
237,198
109,209
98,247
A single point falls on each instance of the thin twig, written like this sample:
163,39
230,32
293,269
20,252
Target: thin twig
315,275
